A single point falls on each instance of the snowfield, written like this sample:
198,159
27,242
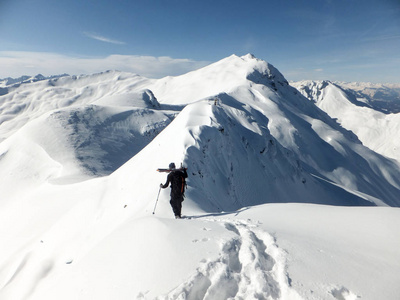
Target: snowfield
282,201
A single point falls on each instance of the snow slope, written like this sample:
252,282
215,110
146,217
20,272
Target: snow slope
79,187
377,130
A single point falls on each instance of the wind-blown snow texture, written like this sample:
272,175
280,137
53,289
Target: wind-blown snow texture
78,157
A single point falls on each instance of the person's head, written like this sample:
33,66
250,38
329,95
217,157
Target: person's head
172,166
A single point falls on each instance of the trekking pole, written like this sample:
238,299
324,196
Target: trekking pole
154,210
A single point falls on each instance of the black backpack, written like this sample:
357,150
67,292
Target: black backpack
178,183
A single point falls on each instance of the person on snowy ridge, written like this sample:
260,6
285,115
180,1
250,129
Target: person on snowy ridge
177,179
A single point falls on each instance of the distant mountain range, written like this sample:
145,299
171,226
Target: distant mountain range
382,97
5,82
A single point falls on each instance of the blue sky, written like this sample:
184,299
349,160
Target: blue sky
346,40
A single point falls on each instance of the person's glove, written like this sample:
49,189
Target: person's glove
161,185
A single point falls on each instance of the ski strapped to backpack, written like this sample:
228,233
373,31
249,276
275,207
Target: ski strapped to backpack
164,170
169,170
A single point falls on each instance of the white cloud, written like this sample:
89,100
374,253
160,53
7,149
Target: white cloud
18,63
98,37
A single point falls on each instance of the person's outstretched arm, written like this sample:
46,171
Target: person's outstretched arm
167,183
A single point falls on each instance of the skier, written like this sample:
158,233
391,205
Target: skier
177,179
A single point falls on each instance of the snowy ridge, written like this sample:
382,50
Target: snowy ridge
78,160
374,128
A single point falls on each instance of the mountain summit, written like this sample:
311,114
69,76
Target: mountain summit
222,76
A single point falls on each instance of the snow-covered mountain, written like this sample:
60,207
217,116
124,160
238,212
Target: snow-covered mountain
377,130
78,156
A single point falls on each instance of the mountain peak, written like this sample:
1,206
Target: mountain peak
248,56
262,72
222,76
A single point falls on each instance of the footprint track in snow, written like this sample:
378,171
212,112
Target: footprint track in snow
343,293
250,266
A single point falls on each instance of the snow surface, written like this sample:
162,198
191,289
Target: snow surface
284,203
